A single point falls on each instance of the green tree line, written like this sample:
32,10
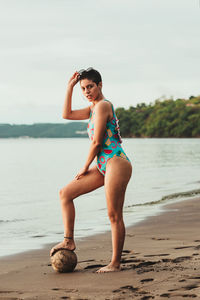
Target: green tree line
44,130
163,118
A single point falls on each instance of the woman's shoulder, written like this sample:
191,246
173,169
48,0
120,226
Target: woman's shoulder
103,104
105,108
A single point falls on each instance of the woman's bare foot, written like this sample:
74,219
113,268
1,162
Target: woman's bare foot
109,268
66,244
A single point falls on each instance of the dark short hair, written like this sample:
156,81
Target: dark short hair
92,74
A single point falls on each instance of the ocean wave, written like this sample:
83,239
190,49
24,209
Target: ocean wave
38,236
12,221
169,197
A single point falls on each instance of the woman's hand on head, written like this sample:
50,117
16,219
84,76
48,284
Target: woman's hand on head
73,80
82,172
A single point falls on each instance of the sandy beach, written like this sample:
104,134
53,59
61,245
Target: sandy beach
161,259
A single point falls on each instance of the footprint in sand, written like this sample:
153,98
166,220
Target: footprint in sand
180,259
10,298
126,287
183,247
166,295
126,251
146,280
145,264
182,280
189,295
94,266
166,260
190,287
124,261
65,290
88,260
152,255
142,271
145,267
160,239
185,288
177,259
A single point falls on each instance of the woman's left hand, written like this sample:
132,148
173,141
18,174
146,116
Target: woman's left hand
82,172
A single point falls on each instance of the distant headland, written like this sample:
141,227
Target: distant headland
44,130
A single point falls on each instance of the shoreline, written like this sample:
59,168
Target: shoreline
155,208
162,208
160,259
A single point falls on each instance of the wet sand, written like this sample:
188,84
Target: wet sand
161,259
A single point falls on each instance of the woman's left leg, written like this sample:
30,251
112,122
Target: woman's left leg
118,174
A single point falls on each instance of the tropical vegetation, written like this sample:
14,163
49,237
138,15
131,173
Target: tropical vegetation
163,118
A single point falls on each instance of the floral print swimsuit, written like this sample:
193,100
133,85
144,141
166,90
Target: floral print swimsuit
111,145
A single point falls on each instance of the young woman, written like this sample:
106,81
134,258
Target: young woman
113,168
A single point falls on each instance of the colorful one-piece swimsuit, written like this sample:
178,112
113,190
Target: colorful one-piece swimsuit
111,145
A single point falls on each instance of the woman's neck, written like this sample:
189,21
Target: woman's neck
100,98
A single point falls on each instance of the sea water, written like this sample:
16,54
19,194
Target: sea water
32,171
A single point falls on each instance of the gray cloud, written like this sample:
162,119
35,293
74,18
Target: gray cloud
144,49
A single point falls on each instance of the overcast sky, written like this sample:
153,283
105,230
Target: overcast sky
144,49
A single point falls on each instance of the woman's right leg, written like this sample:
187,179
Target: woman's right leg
87,183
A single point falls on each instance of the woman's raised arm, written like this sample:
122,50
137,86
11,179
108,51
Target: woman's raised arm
68,113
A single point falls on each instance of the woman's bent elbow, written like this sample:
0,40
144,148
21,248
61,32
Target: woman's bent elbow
66,117
96,144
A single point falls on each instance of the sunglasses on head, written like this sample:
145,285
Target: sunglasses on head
83,70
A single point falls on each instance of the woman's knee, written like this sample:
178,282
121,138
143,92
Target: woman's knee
115,217
65,194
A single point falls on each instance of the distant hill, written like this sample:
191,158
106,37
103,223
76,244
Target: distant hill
44,130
